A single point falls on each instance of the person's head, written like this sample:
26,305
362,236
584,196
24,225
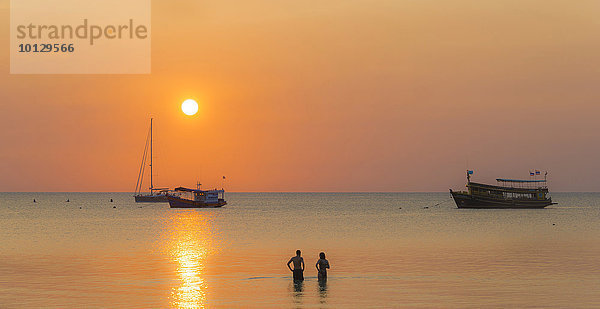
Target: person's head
298,252
322,255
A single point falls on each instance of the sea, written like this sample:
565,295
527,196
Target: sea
386,250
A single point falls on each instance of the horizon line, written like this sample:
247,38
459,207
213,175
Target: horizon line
277,192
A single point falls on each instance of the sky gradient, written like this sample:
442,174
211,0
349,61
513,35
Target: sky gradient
322,96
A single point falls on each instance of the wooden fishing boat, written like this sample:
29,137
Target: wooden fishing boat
509,193
196,198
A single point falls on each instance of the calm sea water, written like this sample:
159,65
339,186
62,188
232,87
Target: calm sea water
386,250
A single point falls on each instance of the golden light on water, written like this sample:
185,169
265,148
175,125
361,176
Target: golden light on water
189,245
191,292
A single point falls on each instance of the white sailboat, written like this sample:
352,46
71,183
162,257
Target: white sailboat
156,195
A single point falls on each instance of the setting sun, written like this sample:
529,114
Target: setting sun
189,107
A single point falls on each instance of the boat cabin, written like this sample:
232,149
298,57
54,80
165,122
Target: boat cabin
206,196
513,189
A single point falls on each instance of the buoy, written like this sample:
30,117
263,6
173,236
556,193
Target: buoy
399,207
79,207
114,206
111,200
553,224
34,201
67,200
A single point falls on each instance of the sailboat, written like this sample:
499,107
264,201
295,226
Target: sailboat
156,195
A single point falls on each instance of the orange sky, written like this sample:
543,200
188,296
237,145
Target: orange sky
322,96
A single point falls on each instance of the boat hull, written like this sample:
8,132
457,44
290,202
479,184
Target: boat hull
151,199
177,202
465,200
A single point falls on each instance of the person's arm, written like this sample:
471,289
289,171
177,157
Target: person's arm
302,262
317,266
327,264
288,264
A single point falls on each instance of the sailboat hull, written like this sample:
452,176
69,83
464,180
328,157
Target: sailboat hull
151,199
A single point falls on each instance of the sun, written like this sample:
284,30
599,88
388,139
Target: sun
189,107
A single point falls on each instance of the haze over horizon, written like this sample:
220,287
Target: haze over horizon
322,96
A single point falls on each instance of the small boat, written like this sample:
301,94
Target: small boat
509,193
156,195
196,198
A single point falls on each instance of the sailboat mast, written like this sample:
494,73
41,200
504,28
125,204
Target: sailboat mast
151,182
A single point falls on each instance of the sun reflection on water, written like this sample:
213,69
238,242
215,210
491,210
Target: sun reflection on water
189,244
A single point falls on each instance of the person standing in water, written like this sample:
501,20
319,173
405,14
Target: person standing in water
298,266
322,265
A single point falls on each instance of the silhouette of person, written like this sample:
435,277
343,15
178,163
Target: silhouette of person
322,265
298,270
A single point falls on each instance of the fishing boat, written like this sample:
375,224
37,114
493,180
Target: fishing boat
508,193
196,198
155,195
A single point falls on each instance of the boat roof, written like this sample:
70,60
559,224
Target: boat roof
184,189
519,180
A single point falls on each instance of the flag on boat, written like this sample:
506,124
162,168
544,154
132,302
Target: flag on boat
537,172
470,172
